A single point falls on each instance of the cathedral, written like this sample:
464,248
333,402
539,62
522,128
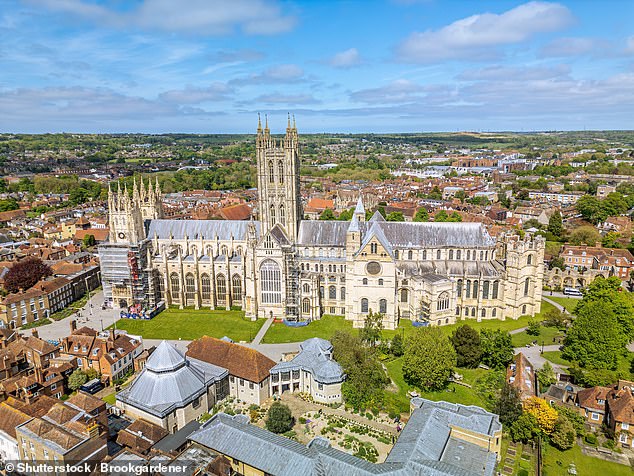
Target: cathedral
283,266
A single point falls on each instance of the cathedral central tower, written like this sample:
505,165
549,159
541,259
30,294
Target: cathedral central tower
278,179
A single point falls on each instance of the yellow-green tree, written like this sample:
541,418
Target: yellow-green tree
545,415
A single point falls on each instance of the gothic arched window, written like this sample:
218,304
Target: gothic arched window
383,306
529,260
494,291
438,254
271,172
468,291
306,288
190,288
271,282
485,290
484,313
332,292
236,288
475,289
404,295
305,306
175,284
282,215
410,254
205,284
364,305
459,288
527,285
273,215
342,293
280,171
221,287
443,301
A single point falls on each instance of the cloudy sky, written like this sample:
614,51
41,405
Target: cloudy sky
209,66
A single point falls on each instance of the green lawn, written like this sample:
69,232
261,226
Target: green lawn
556,463
555,357
568,303
111,399
546,335
325,327
453,393
190,324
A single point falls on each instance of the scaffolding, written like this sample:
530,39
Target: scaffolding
292,285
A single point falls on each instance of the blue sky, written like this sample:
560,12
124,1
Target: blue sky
209,66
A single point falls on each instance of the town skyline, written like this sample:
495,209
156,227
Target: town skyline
400,66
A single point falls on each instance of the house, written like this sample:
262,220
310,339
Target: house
621,225
10,418
316,206
65,434
140,436
520,375
591,403
311,371
248,369
531,213
172,390
241,211
111,353
440,438
604,190
620,412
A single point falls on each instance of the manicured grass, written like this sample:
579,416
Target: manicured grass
555,357
546,335
556,463
453,393
325,327
190,324
569,303
111,399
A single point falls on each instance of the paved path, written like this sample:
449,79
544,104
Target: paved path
556,304
534,356
260,335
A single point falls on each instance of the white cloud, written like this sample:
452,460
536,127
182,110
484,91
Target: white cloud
290,99
574,46
514,73
346,59
192,95
478,36
283,73
202,17
398,91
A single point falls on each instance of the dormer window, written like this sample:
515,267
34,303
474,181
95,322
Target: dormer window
76,348
95,351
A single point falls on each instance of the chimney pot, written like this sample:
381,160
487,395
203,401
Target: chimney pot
73,325
34,333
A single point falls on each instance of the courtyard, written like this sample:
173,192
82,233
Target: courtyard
190,324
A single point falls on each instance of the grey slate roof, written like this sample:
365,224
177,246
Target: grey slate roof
324,233
315,356
424,447
194,229
436,235
170,380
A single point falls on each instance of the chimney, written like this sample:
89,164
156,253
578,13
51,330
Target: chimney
34,333
112,336
38,374
73,326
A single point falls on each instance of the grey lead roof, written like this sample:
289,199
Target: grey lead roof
170,380
324,233
424,447
315,356
195,229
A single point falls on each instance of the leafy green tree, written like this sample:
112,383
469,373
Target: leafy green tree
77,379
611,240
575,418
8,204
588,206
429,358
557,262
466,342
345,215
441,216
497,348
546,376
508,404
621,303
585,235
370,333
279,418
395,216
595,339
525,428
397,346
455,217
89,240
555,224
564,434
534,328
421,215
327,214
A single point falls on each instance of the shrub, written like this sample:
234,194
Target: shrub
302,420
279,418
591,439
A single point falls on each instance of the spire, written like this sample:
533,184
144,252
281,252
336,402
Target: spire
157,188
142,190
354,224
135,191
288,124
266,123
359,210
259,124
294,125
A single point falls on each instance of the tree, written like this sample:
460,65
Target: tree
556,318
77,379
345,215
545,415
327,214
508,404
466,342
534,328
525,428
497,348
557,262
365,377
611,240
441,216
455,217
546,376
555,224
588,206
575,418
279,418
8,204
429,358
372,327
89,240
25,274
595,339
395,216
563,435
397,346
587,235
421,214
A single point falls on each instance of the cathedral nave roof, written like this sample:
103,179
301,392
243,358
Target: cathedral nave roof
195,229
